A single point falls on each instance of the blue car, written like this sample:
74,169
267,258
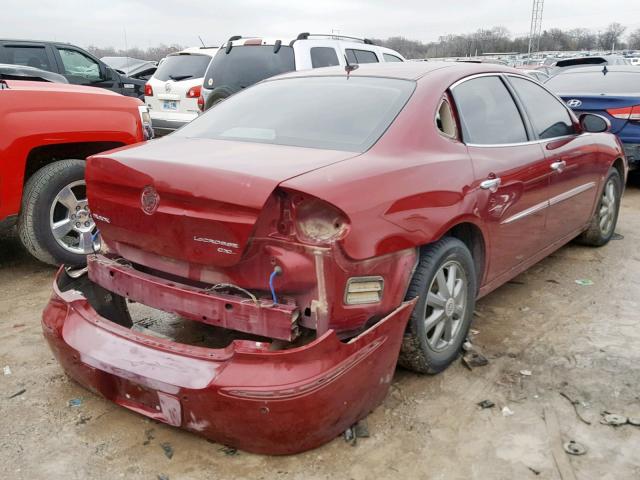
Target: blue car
612,91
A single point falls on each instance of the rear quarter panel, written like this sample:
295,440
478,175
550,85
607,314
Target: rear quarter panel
406,191
36,117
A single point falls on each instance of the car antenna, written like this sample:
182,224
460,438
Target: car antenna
203,45
348,67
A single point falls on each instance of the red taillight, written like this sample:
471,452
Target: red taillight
194,92
626,113
148,90
201,103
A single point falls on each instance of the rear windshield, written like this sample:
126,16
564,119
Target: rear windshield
336,113
595,83
182,67
246,65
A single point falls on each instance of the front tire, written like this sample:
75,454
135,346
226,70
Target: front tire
445,284
604,220
55,224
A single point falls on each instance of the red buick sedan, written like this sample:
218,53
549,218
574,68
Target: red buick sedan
326,223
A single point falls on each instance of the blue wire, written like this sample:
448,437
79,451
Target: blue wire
273,290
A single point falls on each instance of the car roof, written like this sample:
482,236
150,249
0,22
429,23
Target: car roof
599,68
24,40
404,70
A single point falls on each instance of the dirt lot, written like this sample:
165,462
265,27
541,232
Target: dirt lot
581,340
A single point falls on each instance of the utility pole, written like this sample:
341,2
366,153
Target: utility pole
536,26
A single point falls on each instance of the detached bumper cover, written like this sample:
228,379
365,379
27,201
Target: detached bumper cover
245,396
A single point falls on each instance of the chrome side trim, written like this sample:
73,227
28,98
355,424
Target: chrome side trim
571,193
525,213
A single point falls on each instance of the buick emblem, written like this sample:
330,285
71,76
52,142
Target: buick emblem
149,200
574,103
167,87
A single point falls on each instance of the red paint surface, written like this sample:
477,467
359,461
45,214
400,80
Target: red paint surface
411,188
36,114
275,402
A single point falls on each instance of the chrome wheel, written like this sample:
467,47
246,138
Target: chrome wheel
446,306
70,220
608,208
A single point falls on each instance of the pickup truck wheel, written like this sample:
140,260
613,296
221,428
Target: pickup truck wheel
445,284
604,220
55,223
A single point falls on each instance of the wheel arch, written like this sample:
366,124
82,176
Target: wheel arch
619,165
43,155
474,238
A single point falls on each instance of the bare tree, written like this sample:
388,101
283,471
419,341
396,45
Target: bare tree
634,40
611,37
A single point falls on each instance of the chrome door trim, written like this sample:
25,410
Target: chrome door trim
571,193
548,203
527,212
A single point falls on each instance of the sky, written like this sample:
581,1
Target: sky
145,23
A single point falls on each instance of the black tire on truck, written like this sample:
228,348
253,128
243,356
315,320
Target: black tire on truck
218,94
54,194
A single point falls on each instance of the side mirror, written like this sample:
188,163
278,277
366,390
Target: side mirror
592,123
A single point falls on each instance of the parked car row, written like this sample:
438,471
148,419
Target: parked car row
187,82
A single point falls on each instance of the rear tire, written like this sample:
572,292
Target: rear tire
445,284
604,220
39,216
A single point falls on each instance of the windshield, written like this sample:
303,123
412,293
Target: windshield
182,67
595,83
246,65
336,113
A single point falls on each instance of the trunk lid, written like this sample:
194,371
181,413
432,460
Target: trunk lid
192,199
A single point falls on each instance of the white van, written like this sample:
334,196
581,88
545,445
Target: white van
172,93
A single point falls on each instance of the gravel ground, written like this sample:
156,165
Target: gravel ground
583,341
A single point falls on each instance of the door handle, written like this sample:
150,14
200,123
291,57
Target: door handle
559,166
491,184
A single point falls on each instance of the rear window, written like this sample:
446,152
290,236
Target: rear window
28,56
245,65
182,67
613,83
336,113
391,58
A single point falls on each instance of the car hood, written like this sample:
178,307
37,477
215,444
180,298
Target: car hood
192,199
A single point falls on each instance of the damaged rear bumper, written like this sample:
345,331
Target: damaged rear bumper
245,395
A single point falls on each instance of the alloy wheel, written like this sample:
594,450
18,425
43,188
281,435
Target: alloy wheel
70,220
446,306
608,208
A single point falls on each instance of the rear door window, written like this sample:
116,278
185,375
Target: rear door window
323,57
488,114
549,117
28,56
361,56
182,67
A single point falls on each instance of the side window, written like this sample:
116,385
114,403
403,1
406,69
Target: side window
361,56
391,58
445,121
323,57
487,112
83,68
28,56
549,117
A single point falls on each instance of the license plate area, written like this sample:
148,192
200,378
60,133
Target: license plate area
151,403
170,105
